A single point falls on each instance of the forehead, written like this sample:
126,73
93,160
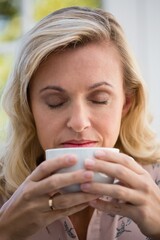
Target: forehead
98,49
84,62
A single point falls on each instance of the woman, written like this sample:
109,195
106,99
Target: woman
75,83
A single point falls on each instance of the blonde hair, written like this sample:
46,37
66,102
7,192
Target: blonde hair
69,28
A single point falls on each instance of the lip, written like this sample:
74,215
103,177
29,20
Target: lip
79,143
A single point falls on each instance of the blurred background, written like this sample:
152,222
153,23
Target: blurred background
139,19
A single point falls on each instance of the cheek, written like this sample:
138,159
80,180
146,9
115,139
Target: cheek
47,134
110,131
42,132
47,127
110,127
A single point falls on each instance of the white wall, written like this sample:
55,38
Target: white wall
140,20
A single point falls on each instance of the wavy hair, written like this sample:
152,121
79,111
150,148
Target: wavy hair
69,28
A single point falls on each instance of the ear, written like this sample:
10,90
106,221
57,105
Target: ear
127,105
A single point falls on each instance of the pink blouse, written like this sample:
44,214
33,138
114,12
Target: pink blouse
102,225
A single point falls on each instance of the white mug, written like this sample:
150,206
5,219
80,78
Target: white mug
82,154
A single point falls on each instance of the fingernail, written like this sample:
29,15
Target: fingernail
70,159
90,162
100,153
85,186
88,175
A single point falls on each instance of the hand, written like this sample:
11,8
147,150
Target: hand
27,211
138,197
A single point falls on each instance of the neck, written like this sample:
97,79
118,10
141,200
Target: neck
81,221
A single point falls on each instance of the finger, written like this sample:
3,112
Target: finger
38,205
125,175
115,208
48,167
115,191
59,214
55,182
71,199
60,202
120,158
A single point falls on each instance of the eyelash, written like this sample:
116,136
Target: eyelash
101,102
61,104
55,106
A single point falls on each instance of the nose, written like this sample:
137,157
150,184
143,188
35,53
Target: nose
78,119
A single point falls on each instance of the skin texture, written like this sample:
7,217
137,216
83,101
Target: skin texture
91,101
77,99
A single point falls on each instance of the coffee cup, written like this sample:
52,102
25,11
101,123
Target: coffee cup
82,154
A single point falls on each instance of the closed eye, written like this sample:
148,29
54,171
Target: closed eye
56,105
56,100
101,102
99,97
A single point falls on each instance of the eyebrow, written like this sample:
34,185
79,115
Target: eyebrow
60,89
52,87
100,84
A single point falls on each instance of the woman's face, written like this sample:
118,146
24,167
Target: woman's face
77,98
